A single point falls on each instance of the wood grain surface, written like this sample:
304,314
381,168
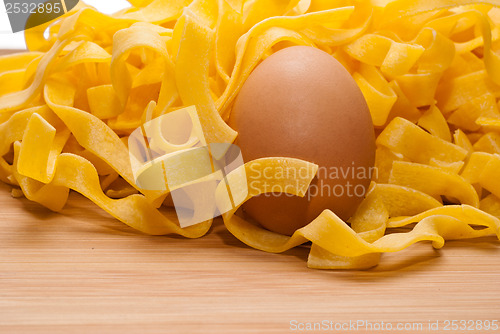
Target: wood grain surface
81,271
5,52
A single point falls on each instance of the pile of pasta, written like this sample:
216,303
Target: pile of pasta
429,70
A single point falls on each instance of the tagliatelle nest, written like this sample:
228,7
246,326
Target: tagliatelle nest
429,71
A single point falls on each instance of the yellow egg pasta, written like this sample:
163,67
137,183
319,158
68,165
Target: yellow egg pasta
429,71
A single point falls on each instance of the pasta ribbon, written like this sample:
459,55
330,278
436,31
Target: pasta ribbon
433,181
334,236
191,73
377,92
404,137
393,58
434,122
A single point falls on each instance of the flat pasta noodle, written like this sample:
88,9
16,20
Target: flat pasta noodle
331,233
429,70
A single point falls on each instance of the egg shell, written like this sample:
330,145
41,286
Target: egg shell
302,103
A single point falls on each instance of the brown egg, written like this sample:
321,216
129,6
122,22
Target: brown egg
302,103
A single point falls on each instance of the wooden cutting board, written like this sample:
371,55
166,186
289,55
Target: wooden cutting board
81,271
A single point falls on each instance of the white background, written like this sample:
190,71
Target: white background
8,40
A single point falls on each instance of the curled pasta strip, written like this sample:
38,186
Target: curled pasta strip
20,99
191,73
249,52
157,11
332,234
434,181
406,138
73,172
